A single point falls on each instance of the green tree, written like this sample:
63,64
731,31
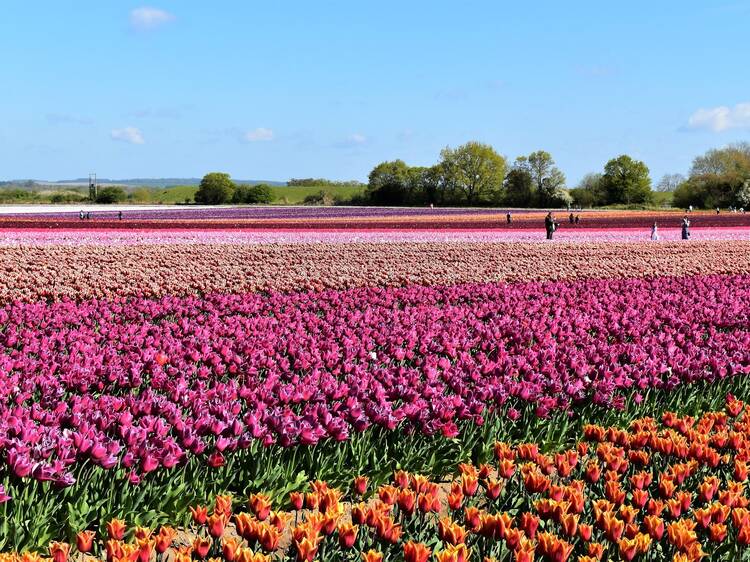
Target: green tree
626,181
589,192
717,178
548,180
475,171
110,194
388,183
519,185
215,188
252,194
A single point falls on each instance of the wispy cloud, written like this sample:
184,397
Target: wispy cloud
352,141
257,135
147,18
721,118
132,135
67,118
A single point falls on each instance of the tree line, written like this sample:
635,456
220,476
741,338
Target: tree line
474,174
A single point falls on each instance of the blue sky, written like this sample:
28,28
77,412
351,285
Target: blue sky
273,90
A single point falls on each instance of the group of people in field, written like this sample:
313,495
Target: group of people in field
551,225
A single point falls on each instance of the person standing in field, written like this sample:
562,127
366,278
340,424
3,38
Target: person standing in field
509,217
654,232
550,225
685,228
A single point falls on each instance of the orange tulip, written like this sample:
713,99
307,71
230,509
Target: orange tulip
717,532
347,535
416,552
85,541
199,513
296,500
451,532
372,556
260,504
388,494
59,551
743,534
402,479
164,539
216,523
116,529
407,501
493,487
223,504
201,546
268,537
360,485
654,526
469,484
506,468
229,548
306,549
628,548
472,518
569,524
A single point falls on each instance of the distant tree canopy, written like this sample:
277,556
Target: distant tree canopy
625,181
111,194
315,182
471,174
718,178
252,194
216,188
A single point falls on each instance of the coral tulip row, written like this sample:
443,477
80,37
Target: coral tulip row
146,384
668,489
55,272
109,237
355,218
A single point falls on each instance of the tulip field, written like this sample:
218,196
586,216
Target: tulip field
261,384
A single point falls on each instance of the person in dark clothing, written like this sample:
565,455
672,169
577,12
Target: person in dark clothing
509,217
578,219
119,215
571,218
685,228
550,225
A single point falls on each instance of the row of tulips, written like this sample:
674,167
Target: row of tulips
144,384
668,489
355,218
110,237
55,272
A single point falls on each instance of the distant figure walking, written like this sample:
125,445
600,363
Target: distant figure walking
685,228
119,215
80,214
654,232
550,225
509,217
578,219
88,215
717,210
571,218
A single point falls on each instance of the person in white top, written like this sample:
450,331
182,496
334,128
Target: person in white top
654,232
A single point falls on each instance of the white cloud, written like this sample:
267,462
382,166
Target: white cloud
721,118
146,18
357,138
259,134
133,135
